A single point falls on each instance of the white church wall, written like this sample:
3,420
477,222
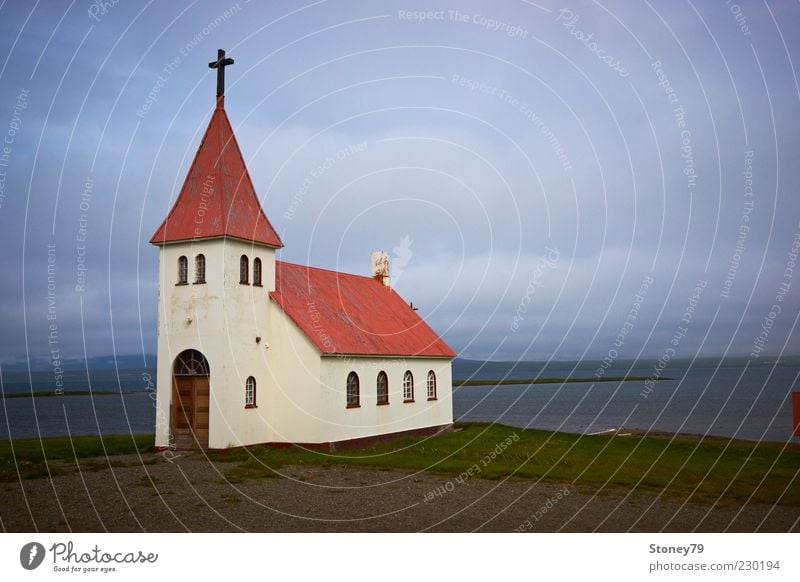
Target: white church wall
295,390
243,338
370,419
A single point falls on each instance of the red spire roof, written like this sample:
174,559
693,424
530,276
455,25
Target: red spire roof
218,197
349,314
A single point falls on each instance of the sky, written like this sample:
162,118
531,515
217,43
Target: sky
551,180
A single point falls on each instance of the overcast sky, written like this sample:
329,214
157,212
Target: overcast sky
548,179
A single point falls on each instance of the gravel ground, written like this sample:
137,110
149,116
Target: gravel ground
192,494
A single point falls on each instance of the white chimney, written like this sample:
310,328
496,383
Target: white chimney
380,266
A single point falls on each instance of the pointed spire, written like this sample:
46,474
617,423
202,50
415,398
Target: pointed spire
218,198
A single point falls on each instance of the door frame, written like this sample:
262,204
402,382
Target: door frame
189,365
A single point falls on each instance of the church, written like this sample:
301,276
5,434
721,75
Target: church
254,350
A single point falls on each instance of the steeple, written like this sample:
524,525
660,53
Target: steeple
217,198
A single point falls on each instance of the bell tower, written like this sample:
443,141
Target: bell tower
216,270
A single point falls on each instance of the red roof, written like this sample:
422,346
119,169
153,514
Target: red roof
217,198
349,314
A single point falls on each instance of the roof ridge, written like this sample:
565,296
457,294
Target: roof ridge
326,270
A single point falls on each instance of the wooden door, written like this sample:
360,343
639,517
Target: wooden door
190,412
201,395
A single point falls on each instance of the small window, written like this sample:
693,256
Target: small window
383,388
431,385
250,393
257,272
200,269
183,270
408,387
352,391
244,270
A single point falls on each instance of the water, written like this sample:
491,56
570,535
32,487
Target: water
751,403
77,415
130,409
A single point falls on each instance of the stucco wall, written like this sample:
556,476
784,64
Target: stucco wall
341,423
221,319
295,370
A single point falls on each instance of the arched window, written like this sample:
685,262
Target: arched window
408,387
190,363
200,269
183,270
383,388
250,393
257,272
431,385
352,391
244,269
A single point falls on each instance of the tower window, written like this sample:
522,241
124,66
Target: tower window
244,270
250,393
183,270
408,387
431,385
383,388
200,269
353,400
257,272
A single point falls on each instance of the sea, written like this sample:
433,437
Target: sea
735,398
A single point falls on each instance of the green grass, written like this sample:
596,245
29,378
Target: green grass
505,381
767,472
652,463
30,454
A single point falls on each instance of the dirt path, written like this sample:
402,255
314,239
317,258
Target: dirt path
193,494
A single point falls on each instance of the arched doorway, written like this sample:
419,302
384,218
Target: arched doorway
190,396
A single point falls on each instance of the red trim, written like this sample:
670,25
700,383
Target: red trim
357,403
434,398
255,392
244,261
382,401
409,374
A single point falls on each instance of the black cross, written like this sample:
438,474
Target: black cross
220,65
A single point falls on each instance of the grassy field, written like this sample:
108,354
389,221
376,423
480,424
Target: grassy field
28,455
705,470
510,381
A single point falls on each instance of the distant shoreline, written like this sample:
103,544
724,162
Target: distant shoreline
52,394
505,381
456,383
